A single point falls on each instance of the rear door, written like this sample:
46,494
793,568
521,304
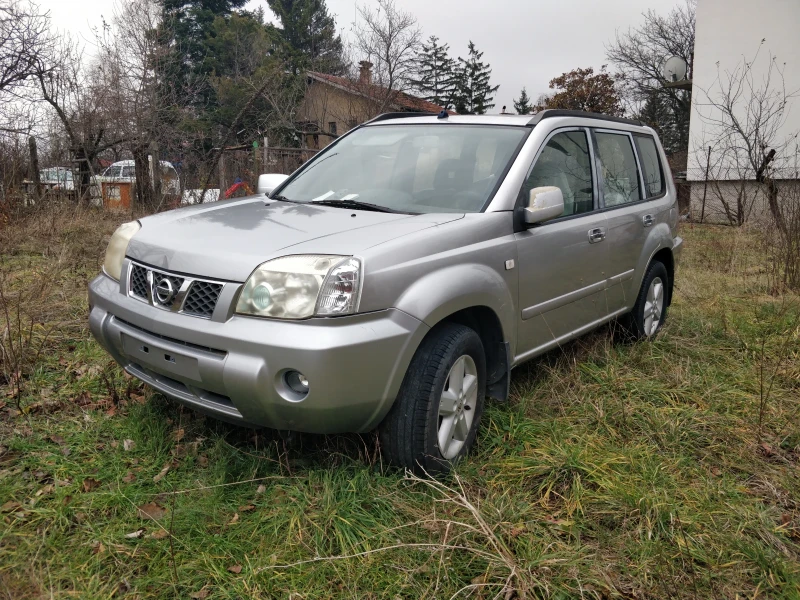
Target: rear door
622,196
562,261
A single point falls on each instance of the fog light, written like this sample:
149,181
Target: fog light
297,382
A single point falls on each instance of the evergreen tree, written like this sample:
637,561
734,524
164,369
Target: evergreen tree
474,94
523,104
184,32
435,78
660,114
308,36
190,22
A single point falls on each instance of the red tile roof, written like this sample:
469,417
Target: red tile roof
398,100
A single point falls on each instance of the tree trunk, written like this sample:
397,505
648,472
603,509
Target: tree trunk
157,191
143,183
84,174
774,206
37,181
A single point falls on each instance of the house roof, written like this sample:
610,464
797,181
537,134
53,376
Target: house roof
397,101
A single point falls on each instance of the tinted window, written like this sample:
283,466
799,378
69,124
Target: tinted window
129,171
651,165
112,172
618,167
564,162
411,168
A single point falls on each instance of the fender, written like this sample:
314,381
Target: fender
658,238
448,290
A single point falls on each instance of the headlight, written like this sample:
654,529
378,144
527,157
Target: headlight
115,253
298,287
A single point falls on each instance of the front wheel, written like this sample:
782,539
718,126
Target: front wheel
434,420
650,311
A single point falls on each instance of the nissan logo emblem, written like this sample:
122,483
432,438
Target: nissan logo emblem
164,292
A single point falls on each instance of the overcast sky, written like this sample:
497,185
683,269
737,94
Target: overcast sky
526,42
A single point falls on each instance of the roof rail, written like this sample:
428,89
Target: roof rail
558,112
400,115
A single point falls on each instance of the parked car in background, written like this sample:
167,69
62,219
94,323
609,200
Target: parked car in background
125,171
57,179
395,279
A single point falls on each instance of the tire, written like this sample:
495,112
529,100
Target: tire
650,311
410,433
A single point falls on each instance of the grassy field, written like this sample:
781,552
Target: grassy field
656,470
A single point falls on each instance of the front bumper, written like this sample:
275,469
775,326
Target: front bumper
234,369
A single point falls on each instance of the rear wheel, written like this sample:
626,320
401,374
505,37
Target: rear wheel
435,418
650,311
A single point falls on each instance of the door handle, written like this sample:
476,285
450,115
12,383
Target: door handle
647,220
597,235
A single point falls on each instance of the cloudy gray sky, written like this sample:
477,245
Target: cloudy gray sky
527,42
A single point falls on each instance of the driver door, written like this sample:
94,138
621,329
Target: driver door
562,262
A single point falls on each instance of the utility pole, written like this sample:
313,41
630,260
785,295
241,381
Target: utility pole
705,185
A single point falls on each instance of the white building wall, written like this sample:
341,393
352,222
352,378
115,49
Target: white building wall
729,32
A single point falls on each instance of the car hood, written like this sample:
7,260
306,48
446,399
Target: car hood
226,240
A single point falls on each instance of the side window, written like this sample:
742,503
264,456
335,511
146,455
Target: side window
564,162
651,165
618,166
128,171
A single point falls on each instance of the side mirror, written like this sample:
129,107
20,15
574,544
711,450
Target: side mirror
268,182
544,203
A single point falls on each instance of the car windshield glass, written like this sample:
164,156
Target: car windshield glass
411,168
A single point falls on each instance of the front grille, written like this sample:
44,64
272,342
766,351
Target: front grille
195,297
202,298
175,282
139,281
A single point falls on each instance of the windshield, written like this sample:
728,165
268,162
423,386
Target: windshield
411,168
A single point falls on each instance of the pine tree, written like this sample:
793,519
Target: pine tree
185,28
190,22
658,113
474,94
435,80
308,36
523,104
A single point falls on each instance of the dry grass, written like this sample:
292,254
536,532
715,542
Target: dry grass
664,469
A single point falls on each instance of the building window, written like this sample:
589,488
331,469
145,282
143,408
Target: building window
332,127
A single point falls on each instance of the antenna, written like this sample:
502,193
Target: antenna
674,69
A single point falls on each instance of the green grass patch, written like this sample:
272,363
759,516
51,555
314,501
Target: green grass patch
656,470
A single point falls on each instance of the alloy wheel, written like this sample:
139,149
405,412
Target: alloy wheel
457,406
653,307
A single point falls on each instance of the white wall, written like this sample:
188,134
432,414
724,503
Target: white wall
728,32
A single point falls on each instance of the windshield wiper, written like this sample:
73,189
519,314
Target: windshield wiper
359,205
280,198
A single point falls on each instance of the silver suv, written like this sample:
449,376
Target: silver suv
395,280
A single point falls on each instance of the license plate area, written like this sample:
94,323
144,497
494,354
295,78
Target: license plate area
161,359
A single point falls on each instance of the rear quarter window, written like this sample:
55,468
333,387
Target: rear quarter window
651,165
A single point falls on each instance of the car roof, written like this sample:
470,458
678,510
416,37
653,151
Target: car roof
501,119
131,163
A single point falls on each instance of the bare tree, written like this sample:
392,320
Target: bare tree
130,57
82,103
639,54
389,38
743,115
25,41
